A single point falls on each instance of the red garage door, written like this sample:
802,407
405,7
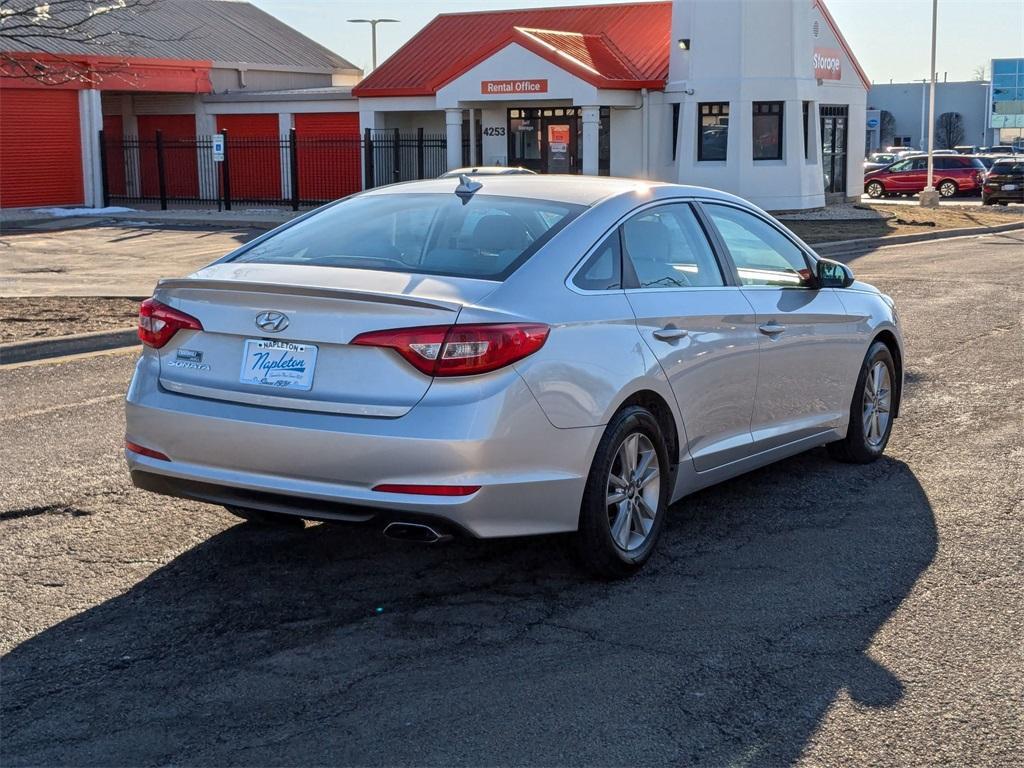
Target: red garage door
181,172
40,148
254,156
329,157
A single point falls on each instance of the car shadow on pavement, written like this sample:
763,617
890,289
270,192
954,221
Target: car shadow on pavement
334,646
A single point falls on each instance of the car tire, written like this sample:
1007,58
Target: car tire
611,551
948,188
267,519
987,201
875,190
867,434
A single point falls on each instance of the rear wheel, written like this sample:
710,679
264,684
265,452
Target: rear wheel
948,188
269,519
626,496
870,411
875,190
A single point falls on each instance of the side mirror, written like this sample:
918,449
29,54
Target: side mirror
832,274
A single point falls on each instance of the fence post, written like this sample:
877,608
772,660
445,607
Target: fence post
105,182
419,152
396,155
368,170
293,158
225,170
161,179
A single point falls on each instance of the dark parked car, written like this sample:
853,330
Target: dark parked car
878,160
953,174
1004,183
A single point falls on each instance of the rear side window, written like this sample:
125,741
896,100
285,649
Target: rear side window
668,249
485,237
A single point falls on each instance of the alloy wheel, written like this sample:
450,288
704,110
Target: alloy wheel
633,491
947,189
877,402
875,189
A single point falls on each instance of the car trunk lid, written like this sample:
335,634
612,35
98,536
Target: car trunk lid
304,361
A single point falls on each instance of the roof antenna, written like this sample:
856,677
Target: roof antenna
467,187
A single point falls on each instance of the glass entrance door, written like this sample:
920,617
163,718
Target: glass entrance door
547,139
834,123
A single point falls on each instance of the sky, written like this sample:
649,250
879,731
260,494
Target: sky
891,38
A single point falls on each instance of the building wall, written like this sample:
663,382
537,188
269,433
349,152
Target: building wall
904,101
225,79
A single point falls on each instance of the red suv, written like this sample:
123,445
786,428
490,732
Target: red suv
953,174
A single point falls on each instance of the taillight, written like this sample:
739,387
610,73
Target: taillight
460,350
158,323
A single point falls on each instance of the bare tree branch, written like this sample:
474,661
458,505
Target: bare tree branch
40,40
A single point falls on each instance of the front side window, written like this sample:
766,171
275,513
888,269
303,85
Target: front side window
768,130
902,165
762,254
713,131
485,237
667,248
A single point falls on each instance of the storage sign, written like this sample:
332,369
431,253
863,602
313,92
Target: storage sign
512,87
828,64
217,145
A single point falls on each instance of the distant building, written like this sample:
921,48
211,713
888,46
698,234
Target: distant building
992,111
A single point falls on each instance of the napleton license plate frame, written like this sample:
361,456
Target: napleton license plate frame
292,371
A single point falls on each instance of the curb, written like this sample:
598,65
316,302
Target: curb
40,349
842,246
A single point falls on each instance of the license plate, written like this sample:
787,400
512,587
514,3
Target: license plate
278,364
1009,187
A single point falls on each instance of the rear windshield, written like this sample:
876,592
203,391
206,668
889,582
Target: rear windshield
485,236
1008,166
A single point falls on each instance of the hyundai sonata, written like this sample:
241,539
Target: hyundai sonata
505,356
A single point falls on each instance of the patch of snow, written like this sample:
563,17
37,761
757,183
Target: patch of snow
59,213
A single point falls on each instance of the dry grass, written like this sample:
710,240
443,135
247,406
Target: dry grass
904,220
38,317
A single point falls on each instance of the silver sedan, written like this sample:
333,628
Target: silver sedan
516,355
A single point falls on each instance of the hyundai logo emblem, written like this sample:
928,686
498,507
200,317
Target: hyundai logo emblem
272,322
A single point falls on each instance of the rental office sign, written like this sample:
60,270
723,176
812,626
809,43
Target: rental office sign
512,87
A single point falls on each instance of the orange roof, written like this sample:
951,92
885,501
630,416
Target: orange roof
609,46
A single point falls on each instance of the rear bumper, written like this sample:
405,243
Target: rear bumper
489,432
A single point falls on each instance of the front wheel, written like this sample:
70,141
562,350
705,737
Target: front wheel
626,496
870,411
948,188
875,190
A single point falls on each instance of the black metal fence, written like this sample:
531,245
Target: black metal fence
288,170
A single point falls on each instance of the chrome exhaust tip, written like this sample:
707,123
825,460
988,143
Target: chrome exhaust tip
414,532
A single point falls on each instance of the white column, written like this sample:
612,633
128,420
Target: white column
591,145
90,122
472,138
284,127
209,172
132,162
453,133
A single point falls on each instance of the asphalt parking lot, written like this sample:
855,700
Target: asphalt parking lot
810,613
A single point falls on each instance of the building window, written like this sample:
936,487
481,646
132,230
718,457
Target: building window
807,128
767,130
713,131
675,129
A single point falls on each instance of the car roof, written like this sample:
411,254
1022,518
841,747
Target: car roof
496,170
578,190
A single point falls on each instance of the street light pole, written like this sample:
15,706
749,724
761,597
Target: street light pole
373,33
930,197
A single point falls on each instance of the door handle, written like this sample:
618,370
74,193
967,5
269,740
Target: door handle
671,334
771,329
